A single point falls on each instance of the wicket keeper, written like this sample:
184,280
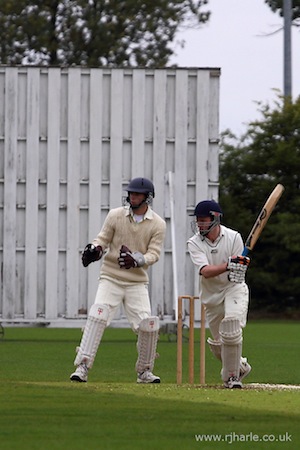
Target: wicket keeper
130,241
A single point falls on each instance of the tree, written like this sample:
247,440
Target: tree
269,153
277,6
9,31
95,32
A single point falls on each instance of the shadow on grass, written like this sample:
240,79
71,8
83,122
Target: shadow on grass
126,416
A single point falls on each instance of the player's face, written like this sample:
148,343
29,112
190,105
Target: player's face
136,198
203,223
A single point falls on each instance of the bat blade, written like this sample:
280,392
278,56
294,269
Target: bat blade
262,218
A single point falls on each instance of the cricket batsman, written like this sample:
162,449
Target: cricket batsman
216,251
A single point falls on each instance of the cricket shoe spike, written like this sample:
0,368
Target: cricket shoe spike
245,368
147,377
233,383
80,374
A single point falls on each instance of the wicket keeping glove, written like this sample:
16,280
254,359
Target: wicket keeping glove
129,259
91,254
237,266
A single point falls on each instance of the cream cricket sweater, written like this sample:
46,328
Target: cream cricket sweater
145,237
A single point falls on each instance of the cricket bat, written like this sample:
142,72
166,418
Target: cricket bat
262,219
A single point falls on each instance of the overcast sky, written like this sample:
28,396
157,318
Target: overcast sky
251,63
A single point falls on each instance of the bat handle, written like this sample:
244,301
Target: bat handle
245,251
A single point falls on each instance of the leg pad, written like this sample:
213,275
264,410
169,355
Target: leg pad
93,332
231,352
215,347
147,343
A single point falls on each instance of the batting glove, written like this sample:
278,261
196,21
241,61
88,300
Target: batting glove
237,266
91,254
129,260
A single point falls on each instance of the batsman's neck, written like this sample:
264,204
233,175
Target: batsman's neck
141,210
214,233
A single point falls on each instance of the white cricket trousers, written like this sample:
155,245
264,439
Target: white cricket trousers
133,296
234,304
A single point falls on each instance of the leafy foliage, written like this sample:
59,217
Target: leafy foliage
268,154
95,32
277,5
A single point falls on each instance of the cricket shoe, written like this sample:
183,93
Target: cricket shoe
245,368
233,383
147,377
80,374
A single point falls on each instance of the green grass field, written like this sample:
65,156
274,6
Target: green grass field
42,409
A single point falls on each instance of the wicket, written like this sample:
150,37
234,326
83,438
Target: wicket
191,340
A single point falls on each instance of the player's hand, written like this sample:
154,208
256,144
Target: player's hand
129,259
91,254
237,266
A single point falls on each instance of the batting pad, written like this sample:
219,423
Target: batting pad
147,343
231,351
93,332
215,347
